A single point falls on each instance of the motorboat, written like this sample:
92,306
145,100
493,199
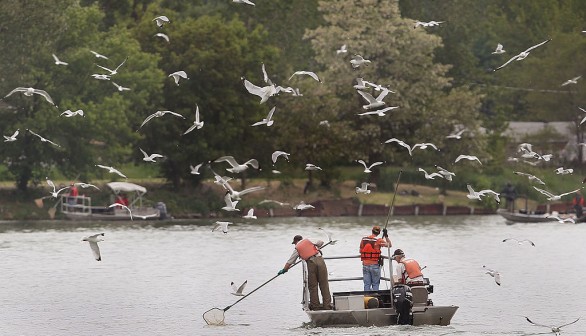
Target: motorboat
378,308
81,207
521,216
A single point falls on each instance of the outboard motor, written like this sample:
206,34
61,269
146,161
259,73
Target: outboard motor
162,210
403,301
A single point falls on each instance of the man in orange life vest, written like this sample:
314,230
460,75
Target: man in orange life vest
317,272
370,256
408,270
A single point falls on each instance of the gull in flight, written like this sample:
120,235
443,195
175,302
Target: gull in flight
476,195
571,81
98,55
367,168
563,171
428,24
159,114
101,77
70,114
161,20
276,155
309,73
273,201
445,173
520,242
115,71
456,135
467,157
54,193
195,170
12,137
302,206
219,225
583,119
380,113
236,195
556,216
30,91
268,120
57,61
120,205
311,166
163,36
373,102
177,75
43,139
197,123
85,185
522,55
423,145
250,214
358,60
556,330
93,240
363,189
230,204
530,177
499,49
120,87
343,49
236,167
238,290
430,176
552,197
246,2
112,170
495,274
150,158
264,92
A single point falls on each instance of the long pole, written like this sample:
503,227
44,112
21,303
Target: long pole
386,224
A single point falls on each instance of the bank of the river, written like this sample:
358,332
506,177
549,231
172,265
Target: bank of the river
207,199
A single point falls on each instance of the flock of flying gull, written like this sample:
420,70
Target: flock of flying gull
373,106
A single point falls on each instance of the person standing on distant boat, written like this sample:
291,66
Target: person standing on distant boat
317,271
510,195
578,204
370,254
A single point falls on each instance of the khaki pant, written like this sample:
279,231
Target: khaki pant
317,274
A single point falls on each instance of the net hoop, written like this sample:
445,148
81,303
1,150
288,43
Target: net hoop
214,316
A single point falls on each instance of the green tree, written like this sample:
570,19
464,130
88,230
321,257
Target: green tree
107,131
402,59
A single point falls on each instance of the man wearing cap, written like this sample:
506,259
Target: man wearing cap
408,270
370,250
317,272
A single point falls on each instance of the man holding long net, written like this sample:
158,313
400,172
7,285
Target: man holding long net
317,271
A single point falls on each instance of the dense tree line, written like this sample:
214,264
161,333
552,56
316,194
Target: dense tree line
441,77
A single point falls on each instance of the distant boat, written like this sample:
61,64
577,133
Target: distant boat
81,208
523,217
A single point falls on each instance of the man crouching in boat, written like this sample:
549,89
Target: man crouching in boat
408,270
370,250
317,272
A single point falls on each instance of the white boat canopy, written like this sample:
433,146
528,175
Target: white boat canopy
126,187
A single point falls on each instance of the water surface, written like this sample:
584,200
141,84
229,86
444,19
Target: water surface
158,278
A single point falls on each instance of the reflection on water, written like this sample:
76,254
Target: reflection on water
157,278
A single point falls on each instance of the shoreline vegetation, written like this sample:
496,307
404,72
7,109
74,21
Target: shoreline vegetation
206,200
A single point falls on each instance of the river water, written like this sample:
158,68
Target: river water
158,278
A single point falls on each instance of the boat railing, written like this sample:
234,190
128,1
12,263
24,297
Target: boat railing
78,204
388,280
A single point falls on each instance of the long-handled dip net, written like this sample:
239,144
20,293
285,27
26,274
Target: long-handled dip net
215,316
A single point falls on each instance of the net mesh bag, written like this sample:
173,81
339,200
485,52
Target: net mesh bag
214,316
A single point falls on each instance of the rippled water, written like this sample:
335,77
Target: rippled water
159,278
